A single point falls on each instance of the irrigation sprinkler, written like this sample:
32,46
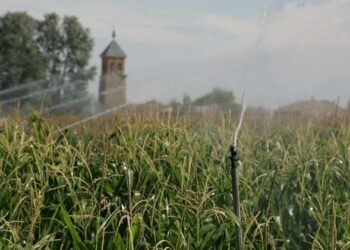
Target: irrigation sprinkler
235,194
234,180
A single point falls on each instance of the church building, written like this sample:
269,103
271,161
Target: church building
112,89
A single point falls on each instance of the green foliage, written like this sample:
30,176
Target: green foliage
176,106
77,242
163,184
52,43
53,49
20,57
225,99
67,47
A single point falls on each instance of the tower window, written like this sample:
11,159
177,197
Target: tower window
120,66
112,67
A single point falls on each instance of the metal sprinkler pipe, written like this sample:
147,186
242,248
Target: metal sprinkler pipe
235,194
234,179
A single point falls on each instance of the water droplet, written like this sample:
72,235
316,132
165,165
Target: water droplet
290,211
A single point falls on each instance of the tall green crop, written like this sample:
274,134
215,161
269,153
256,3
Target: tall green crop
152,183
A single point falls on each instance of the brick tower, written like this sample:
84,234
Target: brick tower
112,90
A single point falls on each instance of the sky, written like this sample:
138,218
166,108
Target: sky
275,51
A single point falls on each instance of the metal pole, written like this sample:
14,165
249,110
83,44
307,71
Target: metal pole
235,195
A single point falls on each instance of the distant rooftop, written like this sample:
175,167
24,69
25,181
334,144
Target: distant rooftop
313,108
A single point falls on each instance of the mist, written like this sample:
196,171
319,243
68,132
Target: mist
277,52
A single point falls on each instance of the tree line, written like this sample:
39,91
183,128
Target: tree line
225,100
55,50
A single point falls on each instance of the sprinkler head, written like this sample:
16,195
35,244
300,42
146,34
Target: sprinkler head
233,156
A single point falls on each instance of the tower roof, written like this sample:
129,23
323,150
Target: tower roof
113,50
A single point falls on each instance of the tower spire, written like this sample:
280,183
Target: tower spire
113,33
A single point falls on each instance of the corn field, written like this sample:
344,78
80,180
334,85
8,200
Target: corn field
156,183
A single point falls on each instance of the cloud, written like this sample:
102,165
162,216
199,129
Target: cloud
310,27
294,53
243,32
294,27
131,24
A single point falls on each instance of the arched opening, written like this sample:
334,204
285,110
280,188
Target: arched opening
120,66
112,67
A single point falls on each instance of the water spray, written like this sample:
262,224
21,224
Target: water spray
90,118
191,80
20,87
36,93
80,100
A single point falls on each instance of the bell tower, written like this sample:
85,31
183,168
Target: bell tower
112,89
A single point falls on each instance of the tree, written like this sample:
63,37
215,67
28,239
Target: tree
21,59
54,50
67,47
186,103
175,105
225,99
51,43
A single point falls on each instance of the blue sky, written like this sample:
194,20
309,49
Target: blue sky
277,51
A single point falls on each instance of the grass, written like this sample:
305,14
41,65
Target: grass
158,183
